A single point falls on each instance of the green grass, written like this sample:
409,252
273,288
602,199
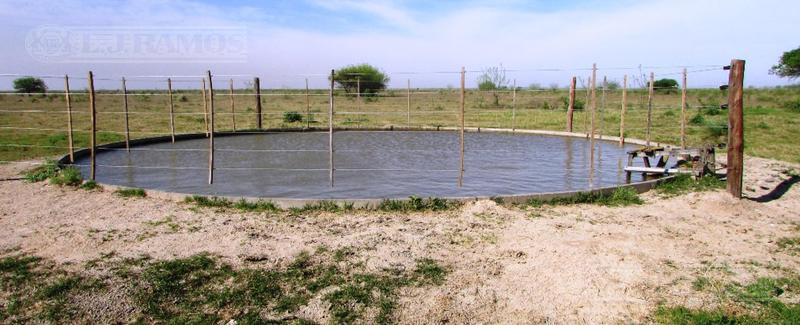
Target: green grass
41,173
244,205
623,196
791,244
131,192
682,184
90,185
417,204
69,176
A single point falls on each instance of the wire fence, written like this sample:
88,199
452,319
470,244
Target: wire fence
59,122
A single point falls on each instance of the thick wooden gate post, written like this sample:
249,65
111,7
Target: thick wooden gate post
211,129
93,136
735,128
257,86
571,106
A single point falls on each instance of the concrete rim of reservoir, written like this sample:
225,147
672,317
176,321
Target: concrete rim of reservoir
639,186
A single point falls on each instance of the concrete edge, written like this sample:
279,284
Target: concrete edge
286,203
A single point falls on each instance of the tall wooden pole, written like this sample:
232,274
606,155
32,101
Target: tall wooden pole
514,106
736,128
69,119
622,110
211,129
408,103
308,107
93,137
233,107
205,106
171,110
330,129
125,110
602,107
257,86
586,107
461,133
683,111
650,95
593,101
571,106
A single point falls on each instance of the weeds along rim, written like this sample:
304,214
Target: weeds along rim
286,203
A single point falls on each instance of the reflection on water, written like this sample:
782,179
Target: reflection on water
369,164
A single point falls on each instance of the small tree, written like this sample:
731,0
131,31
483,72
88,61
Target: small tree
664,85
493,78
370,79
29,85
789,65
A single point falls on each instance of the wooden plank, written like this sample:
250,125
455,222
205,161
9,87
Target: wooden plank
330,130
125,111
461,132
211,129
171,110
736,128
683,111
571,106
69,120
233,106
622,110
650,107
93,136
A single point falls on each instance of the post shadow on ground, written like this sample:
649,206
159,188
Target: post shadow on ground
778,191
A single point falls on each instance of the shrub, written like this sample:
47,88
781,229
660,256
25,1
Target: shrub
792,105
370,78
291,117
43,172
577,106
29,85
493,78
131,192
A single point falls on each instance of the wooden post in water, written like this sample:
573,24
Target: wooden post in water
622,110
571,106
211,129
171,110
233,107
602,107
69,119
205,106
308,107
93,136
650,107
125,110
463,95
735,128
514,106
257,89
683,111
593,102
330,129
408,103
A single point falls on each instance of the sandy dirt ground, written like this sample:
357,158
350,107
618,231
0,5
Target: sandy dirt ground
567,264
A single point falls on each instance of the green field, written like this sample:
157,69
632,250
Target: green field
34,126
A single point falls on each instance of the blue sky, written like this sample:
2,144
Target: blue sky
287,40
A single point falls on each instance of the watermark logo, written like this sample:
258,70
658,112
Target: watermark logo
70,44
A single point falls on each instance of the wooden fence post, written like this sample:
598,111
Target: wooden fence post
736,128
330,129
514,106
205,106
683,111
69,120
233,107
571,106
171,110
593,101
257,86
211,129
408,103
93,136
650,95
622,110
602,106
308,108
125,110
463,95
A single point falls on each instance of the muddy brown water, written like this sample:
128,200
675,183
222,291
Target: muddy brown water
368,164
